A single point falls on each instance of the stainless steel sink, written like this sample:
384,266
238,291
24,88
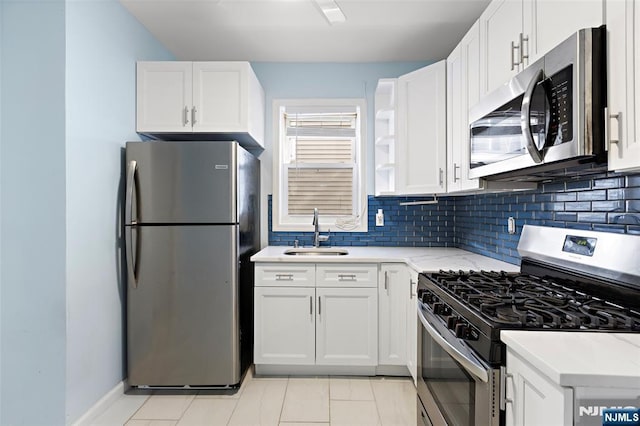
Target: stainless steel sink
313,251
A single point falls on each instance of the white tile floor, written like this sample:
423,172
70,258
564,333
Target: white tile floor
278,401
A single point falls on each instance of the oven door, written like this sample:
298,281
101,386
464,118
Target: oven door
455,387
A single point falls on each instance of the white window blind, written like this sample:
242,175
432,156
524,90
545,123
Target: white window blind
320,167
319,163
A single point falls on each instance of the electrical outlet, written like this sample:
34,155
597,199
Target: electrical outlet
380,218
511,225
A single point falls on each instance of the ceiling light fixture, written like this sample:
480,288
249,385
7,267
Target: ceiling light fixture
331,11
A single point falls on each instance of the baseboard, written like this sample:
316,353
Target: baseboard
298,370
100,407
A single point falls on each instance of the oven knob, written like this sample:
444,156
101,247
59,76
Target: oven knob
461,330
437,308
426,296
452,321
445,310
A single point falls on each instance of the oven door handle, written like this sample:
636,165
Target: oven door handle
468,361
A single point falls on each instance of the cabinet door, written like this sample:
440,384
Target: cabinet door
463,91
220,96
534,399
393,293
455,117
422,123
163,96
623,49
546,23
500,25
284,325
347,326
412,326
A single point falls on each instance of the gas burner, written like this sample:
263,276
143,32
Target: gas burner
515,300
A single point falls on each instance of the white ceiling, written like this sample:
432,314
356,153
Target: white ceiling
297,31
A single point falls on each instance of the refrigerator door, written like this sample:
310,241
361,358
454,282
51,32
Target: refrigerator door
183,314
181,182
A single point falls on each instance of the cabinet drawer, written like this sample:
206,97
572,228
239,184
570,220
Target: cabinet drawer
346,275
285,275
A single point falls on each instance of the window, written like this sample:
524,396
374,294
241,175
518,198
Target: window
319,163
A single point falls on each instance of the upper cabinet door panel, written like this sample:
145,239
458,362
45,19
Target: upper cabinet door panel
549,22
422,132
220,95
501,24
163,96
623,49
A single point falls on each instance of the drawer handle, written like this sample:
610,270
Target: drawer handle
284,277
386,280
346,277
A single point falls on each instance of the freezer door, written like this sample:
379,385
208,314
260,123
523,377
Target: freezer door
183,310
181,182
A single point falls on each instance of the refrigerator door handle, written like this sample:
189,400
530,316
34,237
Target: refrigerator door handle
131,177
130,223
131,268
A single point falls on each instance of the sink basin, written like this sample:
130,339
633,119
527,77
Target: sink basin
313,251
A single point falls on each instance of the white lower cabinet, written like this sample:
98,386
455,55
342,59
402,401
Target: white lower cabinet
330,318
532,399
285,325
346,326
393,293
412,326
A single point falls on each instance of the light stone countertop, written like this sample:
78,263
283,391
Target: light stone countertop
580,359
420,259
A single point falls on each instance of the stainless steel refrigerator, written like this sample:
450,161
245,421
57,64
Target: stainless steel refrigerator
191,224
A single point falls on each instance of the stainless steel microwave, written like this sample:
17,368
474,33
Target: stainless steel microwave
549,119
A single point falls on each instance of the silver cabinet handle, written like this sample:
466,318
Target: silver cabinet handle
185,116
311,305
523,56
193,116
346,277
284,277
319,306
514,46
618,118
441,177
410,289
455,174
386,280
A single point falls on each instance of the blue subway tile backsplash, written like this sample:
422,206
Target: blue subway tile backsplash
608,202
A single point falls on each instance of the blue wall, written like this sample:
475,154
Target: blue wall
427,225
104,42
67,107
32,192
607,202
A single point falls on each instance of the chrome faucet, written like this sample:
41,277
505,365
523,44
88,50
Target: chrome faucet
317,238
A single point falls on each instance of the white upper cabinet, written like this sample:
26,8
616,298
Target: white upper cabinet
515,33
500,26
623,49
164,96
421,145
200,97
463,91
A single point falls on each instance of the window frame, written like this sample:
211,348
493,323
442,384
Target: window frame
302,223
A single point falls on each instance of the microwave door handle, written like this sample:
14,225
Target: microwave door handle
525,119
473,366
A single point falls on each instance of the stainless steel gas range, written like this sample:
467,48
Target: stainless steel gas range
569,280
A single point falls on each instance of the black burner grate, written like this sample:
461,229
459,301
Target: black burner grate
514,300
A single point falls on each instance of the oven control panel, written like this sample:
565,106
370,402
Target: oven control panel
456,323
